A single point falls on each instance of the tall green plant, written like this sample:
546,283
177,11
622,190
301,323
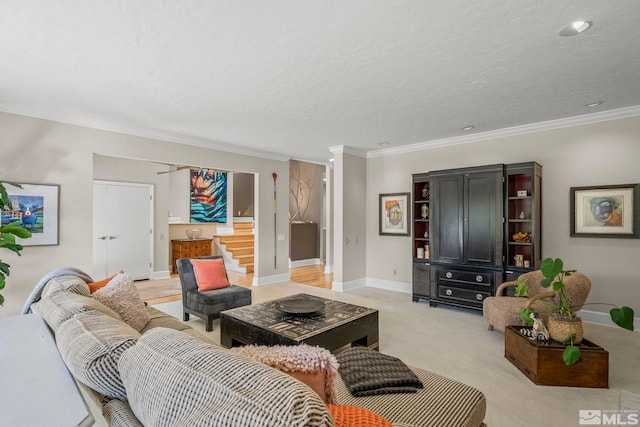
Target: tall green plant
8,234
554,275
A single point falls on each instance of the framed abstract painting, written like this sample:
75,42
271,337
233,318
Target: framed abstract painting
605,211
394,214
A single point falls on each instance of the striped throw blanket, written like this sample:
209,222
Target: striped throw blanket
367,372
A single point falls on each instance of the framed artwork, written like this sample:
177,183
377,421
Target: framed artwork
605,211
394,214
36,208
208,196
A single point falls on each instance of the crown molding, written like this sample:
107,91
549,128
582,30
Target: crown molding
585,119
147,133
345,149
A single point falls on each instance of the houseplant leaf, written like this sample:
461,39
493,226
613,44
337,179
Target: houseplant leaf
622,317
571,354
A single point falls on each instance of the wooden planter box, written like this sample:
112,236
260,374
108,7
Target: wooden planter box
543,364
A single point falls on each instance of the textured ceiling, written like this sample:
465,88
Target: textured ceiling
295,77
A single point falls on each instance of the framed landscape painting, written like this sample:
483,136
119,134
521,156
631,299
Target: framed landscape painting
394,214
605,211
34,207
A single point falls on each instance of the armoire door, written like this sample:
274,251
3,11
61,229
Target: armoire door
122,229
483,218
446,218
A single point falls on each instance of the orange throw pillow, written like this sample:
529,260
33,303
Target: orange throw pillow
354,416
210,274
100,284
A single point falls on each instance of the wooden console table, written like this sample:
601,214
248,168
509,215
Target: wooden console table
37,387
543,364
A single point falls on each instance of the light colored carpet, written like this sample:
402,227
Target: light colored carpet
159,288
457,344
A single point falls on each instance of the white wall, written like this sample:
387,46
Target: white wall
41,151
596,154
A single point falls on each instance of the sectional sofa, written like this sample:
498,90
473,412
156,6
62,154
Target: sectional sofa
136,365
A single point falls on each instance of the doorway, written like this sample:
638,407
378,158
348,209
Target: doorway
123,229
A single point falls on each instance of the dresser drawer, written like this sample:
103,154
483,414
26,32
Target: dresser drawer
453,276
468,296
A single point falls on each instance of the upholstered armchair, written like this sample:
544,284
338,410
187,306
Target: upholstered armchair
207,304
501,311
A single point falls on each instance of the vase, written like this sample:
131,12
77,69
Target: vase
561,329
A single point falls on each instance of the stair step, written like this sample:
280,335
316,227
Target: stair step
237,244
244,259
236,252
236,237
249,267
242,225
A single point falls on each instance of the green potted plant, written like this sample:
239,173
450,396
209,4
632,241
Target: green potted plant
8,234
563,311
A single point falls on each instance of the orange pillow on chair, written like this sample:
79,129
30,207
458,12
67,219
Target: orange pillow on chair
210,274
355,416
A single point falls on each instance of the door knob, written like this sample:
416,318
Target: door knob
102,237
112,237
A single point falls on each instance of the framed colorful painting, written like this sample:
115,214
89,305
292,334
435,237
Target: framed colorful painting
36,208
605,211
208,195
394,214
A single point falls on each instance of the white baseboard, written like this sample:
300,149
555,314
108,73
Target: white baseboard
163,274
269,280
348,286
601,318
305,262
328,269
390,285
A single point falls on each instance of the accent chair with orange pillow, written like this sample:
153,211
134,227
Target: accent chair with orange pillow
206,290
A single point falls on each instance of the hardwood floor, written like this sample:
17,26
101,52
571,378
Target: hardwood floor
312,275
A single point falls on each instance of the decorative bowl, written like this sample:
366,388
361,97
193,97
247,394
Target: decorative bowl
193,233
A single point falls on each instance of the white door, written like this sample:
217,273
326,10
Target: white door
122,229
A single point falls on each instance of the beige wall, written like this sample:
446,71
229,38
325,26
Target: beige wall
40,151
596,154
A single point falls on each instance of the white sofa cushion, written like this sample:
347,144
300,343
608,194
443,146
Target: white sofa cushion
173,379
121,295
91,344
66,283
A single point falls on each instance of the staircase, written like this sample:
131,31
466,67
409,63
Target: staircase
237,248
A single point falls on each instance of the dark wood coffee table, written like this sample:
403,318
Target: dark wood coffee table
334,326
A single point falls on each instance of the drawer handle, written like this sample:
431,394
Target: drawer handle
479,297
449,275
449,292
479,278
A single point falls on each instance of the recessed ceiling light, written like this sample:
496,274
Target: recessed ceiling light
575,28
383,143
467,127
594,104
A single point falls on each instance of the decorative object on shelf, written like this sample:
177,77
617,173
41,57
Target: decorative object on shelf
522,215
522,193
554,274
394,214
193,233
425,191
33,207
605,211
519,260
526,264
424,211
420,253
426,234
521,237
426,251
